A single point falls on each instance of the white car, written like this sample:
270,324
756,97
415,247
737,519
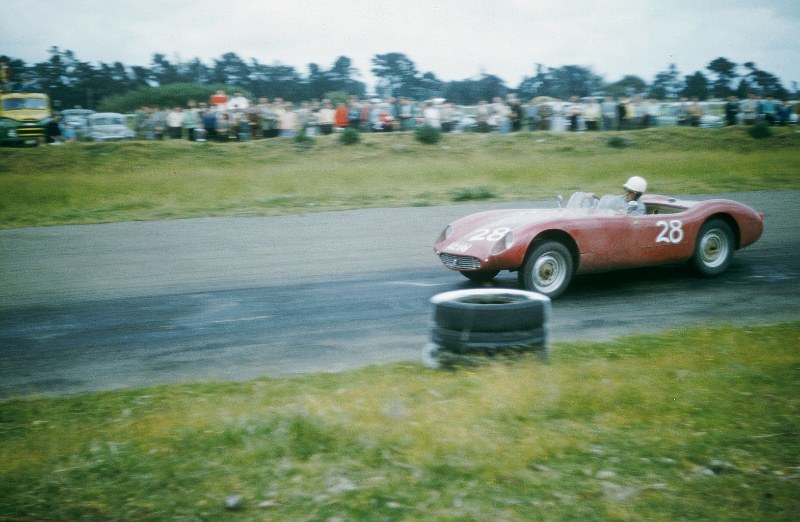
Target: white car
108,126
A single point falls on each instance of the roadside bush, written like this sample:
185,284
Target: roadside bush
473,194
349,137
759,130
428,135
618,142
303,141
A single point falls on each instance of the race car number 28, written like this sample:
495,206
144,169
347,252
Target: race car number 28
485,234
671,231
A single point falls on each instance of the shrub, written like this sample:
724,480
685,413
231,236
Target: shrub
760,130
618,142
428,135
303,140
473,194
349,137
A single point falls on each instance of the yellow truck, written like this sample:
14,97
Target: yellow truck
24,118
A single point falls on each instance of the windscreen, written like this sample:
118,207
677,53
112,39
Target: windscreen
17,104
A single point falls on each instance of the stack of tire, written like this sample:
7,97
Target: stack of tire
486,322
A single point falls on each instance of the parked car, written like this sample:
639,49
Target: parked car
547,247
73,122
108,126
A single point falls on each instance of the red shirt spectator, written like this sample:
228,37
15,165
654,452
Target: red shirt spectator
219,98
341,115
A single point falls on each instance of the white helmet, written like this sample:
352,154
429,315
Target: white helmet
636,184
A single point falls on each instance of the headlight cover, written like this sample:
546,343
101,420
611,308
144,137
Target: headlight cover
504,244
446,233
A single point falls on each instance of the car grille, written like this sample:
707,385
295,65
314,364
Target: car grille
30,132
460,262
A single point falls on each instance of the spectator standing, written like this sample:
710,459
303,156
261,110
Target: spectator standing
191,122
406,114
175,123
784,112
694,112
447,112
219,100
652,111
5,77
749,107
591,114
575,113
288,121
731,110
238,103
768,108
609,110
354,114
209,118
515,112
268,118
432,116
326,117
341,116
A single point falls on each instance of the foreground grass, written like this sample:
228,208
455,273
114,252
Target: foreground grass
103,182
700,424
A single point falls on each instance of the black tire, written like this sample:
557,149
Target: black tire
714,248
547,269
480,276
489,310
487,342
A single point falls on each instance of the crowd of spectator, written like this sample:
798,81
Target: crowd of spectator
235,117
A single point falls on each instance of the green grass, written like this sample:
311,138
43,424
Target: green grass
104,182
692,425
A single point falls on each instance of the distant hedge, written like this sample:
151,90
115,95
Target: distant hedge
173,95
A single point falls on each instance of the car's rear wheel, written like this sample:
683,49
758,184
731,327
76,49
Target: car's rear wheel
714,249
547,269
480,276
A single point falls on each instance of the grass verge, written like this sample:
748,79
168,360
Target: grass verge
692,425
104,182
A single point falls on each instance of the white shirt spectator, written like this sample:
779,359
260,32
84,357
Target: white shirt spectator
238,102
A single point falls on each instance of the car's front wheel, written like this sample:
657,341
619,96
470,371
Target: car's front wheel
714,249
547,269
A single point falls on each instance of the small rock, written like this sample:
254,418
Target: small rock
233,502
719,466
338,485
619,493
702,470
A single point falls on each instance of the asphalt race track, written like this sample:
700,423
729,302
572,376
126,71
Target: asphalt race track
132,304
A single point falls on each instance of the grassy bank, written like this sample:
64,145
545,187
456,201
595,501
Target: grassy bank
104,182
694,425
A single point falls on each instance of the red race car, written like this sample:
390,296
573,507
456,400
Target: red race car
547,247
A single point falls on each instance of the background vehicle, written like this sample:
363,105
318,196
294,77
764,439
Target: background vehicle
547,247
108,126
24,118
74,122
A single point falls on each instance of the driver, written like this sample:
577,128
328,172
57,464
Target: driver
634,188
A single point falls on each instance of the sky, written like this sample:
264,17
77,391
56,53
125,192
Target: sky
454,39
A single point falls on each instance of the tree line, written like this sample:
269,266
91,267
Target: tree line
73,82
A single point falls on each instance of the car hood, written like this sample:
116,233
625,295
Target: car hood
478,234
516,218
